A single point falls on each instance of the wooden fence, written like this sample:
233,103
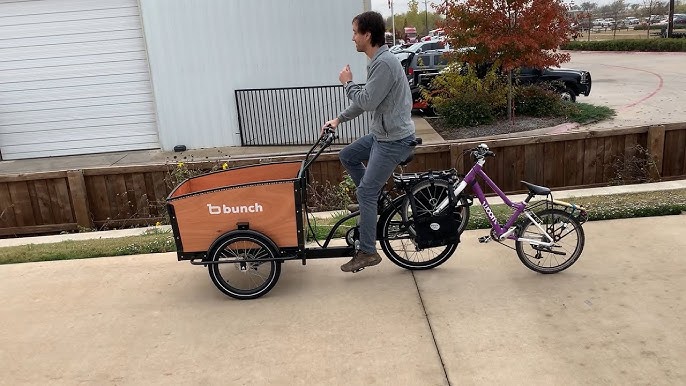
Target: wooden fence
116,197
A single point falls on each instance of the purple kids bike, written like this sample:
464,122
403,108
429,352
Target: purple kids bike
548,236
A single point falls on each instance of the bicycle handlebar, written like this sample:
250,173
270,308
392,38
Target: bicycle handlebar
480,152
330,134
325,139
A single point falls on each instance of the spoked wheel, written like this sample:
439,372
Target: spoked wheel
567,234
398,244
247,280
427,195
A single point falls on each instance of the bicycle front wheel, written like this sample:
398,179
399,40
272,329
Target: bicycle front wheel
567,235
398,244
244,280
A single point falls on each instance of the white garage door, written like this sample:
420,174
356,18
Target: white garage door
74,78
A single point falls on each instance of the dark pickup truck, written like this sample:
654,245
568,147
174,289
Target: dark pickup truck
572,83
422,67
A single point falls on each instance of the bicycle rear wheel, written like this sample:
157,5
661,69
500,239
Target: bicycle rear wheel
398,244
427,195
567,234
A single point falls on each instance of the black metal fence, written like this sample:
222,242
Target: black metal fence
294,116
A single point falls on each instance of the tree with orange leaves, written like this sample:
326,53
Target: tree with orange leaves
512,33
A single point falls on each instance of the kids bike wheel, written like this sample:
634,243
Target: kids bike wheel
398,244
567,235
244,280
427,195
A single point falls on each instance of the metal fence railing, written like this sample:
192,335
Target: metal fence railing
294,116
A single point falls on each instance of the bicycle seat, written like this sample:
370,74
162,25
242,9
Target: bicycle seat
415,142
537,190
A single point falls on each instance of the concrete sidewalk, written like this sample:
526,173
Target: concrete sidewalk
615,317
562,195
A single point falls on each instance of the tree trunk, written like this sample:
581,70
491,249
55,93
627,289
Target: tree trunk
670,21
509,95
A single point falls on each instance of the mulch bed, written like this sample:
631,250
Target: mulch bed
503,126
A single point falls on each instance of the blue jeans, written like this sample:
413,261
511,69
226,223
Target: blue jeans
382,158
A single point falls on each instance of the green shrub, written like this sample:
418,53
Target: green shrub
644,45
538,101
464,99
645,27
330,196
585,113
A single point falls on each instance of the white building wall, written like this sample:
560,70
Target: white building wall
74,79
201,51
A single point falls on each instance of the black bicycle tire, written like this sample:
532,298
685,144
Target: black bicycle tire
519,245
224,286
399,260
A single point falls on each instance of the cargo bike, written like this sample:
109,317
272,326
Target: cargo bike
243,223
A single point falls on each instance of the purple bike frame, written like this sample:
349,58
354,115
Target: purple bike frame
470,179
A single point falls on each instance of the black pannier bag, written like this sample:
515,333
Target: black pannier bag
434,231
437,230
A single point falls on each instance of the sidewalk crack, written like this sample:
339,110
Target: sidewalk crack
433,336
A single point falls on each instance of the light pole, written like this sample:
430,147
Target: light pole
390,2
426,18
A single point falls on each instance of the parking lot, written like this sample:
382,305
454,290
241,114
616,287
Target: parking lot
643,87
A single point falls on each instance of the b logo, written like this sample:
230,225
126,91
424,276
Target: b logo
216,209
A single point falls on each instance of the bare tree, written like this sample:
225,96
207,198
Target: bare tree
588,8
651,6
616,9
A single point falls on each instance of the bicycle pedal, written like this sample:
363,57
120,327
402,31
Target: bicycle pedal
484,239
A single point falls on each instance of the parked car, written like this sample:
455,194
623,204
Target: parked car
678,23
569,83
421,67
601,23
632,20
405,52
678,20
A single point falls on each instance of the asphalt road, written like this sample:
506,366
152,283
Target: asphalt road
645,88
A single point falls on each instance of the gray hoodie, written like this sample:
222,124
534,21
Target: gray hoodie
387,93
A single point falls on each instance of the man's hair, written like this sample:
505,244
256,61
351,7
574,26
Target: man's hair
372,22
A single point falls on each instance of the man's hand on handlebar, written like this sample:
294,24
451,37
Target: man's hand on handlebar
332,124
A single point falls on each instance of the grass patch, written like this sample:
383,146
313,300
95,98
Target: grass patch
322,227
616,206
150,242
585,113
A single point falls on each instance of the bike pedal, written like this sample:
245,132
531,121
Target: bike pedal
484,239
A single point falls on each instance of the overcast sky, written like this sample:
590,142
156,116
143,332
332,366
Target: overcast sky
400,6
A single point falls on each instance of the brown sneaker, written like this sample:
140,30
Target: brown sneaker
361,260
353,208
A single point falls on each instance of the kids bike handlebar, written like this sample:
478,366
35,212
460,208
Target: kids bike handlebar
482,151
